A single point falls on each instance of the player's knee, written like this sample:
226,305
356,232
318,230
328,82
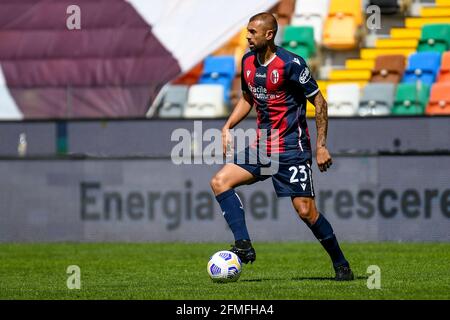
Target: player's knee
306,210
218,183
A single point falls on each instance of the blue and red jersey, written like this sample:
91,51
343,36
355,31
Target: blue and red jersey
279,89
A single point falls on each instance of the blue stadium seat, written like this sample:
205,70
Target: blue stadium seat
422,66
219,70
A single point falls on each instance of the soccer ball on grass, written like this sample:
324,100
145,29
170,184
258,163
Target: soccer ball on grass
224,266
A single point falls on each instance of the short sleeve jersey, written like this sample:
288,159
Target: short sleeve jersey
279,90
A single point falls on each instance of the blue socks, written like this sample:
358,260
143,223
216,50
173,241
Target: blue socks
233,211
323,231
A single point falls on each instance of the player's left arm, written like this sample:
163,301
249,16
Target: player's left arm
300,74
323,156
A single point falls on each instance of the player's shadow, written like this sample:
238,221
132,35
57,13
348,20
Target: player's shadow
261,279
325,278
299,279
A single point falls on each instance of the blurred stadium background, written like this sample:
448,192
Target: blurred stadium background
86,118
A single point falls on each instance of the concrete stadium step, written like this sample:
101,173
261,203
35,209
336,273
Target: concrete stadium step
349,74
405,33
442,3
323,84
372,53
443,11
396,43
420,22
359,64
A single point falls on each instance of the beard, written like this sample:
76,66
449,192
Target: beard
261,47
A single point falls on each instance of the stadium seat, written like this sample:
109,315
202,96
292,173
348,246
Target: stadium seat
299,40
340,32
343,99
311,13
411,99
388,68
435,37
439,103
205,101
351,8
377,99
173,102
284,11
219,70
344,18
422,66
444,72
386,6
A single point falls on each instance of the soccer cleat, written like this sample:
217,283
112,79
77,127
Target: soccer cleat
244,250
343,273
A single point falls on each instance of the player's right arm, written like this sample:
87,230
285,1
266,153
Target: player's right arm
241,110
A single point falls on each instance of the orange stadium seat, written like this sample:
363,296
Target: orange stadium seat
347,7
439,103
344,18
444,72
388,68
340,32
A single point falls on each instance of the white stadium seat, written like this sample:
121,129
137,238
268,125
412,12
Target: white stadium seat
205,101
377,99
173,101
343,99
311,13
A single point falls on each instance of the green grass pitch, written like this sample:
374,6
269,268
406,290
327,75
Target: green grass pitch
178,271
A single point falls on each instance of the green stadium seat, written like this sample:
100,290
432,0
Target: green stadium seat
411,99
435,37
299,40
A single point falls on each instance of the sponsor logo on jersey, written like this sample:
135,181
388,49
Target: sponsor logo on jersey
305,75
274,76
261,93
260,75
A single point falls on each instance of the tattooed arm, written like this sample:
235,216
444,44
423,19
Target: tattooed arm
323,157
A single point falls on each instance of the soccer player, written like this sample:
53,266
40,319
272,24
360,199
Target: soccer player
277,83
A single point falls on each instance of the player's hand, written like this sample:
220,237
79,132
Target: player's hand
323,157
227,142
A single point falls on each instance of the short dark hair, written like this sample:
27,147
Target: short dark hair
268,19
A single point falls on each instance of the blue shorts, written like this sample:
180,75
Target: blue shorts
291,173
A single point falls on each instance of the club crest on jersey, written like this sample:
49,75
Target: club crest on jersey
274,76
248,73
305,75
